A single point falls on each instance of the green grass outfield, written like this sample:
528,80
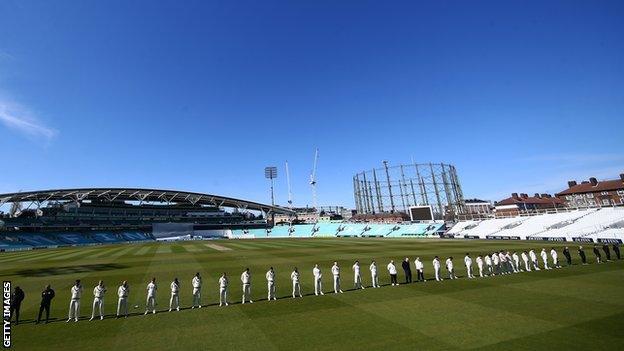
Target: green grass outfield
577,307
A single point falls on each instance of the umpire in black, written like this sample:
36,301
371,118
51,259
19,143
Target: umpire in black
581,253
407,269
46,299
605,248
16,303
597,254
566,253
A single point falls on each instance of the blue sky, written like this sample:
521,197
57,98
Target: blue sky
201,95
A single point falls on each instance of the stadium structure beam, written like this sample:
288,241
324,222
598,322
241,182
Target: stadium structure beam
432,184
130,194
385,163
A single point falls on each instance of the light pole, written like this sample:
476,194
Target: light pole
271,173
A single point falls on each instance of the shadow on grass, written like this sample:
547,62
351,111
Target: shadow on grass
48,271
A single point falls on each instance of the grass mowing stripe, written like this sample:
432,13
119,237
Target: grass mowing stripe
272,244
193,248
12,257
293,243
52,253
15,254
266,245
72,254
178,249
142,251
217,247
163,249
239,245
259,245
33,254
109,250
123,252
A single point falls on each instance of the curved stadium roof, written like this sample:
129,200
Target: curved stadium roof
137,194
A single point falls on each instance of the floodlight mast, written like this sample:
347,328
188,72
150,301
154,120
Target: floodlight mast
313,179
271,173
290,202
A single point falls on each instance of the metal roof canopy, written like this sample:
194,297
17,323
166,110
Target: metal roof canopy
141,195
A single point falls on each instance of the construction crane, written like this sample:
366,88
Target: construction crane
313,179
290,202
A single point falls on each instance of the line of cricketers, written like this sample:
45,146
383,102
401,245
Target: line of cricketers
496,263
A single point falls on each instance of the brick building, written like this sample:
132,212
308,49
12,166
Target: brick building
594,193
523,203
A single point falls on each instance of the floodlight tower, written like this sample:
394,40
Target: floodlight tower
313,179
290,202
271,173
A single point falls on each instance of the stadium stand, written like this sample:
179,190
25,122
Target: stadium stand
279,231
351,230
487,227
414,230
106,238
327,229
37,240
135,236
458,229
10,245
237,233
593,223
247,233
302,230
74,239
11,242
377,230
563,225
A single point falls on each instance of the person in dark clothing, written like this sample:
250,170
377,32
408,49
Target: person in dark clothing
46,299
581,253
16,303
566,253
597,253
605,248
616,249
407,269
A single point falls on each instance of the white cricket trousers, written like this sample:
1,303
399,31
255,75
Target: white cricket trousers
469,271
318,285
545,263
150,304
436,270
122,306
526,266
357,279
296,289
174,301
375,280
74,309
222,296
271,290
336,283
246,292
196,297
98,305
480,266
